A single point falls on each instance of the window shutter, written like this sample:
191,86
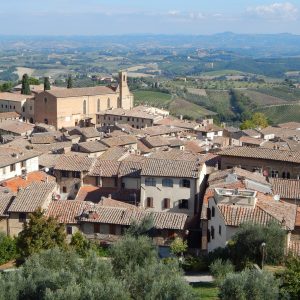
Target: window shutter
167,203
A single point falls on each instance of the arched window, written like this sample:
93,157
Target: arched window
108,103
98,105
185,183
168,182
283,174
288,175
84,107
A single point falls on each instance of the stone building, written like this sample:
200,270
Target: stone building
78,106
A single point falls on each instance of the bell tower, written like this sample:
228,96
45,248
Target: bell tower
126,98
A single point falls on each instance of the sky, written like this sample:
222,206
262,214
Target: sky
102,17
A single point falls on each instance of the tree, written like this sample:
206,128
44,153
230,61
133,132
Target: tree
33,81
141,228
25,90
40,233
246,244
47,86
178,246
220,268
8,249
249,284
69,82
247,124
56,274
259,120
290,278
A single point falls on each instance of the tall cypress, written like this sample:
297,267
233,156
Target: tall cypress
70,82
25,90
47,86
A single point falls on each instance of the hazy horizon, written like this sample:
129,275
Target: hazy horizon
131,17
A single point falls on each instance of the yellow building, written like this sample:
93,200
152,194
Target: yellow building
78,106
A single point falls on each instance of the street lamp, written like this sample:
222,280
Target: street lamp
262,248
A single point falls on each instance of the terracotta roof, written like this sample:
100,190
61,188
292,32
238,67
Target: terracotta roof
114,153
155,141
5,201
251,132
91,147
121,216
9,115
251,140
280,132
9,155
160,130
169,121
209,128
16,126
134,112
286,188
54,147
143,148
79,92
42,139
48,160
32,197
94,194
170,168
174,154
290,125
241,174
130,169
65,211
105,168
265,210
74,163
119,140
262,153
18,182
13,96
90,132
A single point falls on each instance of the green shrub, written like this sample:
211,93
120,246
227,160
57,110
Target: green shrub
8,249
220,268
195,264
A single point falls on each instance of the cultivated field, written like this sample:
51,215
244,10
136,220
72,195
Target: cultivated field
261,99
282,114
21,71
157,99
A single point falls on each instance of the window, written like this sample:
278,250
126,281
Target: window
149,202
119,103
274,174
14,107
208,213
23,164
108,103
84,107
112,229
212,232
46,121
213,211
76,186
185,183
23,109
150,182
166,203
64,174
128,119
288,175
76,174
98,105
220,230
69,230
64,189
12,168
45,100
22,217
283,174
96,228
168,182
184,204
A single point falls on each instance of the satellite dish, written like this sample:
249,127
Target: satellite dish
277,197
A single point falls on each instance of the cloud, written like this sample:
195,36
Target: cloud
186,16
277,10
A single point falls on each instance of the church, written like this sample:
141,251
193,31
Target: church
65,107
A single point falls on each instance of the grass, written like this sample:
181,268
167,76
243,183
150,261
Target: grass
152,98
206,290
282,114
261,99
183,107
283,92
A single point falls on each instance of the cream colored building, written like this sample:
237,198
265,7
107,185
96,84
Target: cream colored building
78,106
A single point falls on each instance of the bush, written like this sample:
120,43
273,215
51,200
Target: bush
195,263
220,268
249,284
291,278
8,249
178,246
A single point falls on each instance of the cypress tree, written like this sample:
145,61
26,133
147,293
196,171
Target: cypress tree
25,85
46,84
70,82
